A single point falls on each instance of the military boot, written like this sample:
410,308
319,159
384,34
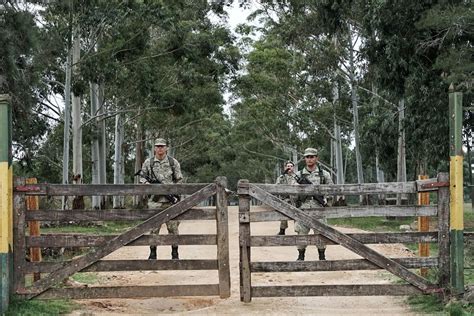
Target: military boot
152,255
174,253
321,253
282,231
301,254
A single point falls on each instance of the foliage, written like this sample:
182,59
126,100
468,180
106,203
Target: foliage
38,307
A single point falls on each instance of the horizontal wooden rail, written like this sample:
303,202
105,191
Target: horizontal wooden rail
468,236
115,215
131,291
334,290
346,189
80,240
127,265
345,212
365,238
108,189
337,265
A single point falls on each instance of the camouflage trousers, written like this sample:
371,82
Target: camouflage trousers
172,226
301,229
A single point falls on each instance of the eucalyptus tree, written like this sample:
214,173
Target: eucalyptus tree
21,65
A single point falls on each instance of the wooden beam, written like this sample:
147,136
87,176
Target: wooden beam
365,238
222,228
340,189
78,240
423,226
19,246
108,189
342,239
92,256
345,212
337,265
201,213
131,291
32,204
443,233
244,243
126,265
334,290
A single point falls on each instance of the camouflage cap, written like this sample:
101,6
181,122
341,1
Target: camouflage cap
160,142
310,152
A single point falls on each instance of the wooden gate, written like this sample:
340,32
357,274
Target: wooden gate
372,259
101,245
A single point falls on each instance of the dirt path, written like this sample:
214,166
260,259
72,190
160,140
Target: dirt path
361,305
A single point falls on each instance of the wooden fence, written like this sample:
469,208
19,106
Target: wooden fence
400,267
53,273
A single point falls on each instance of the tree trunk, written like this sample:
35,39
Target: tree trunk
102,141
95,143
355,113
76,117
138,199
67,125
401,156
118,168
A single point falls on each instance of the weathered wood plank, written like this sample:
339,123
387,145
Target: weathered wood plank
443,232
244,243
337,265
202,213
131,291
340,189
365,238
109,189
423,225
84,261
222,237
468,236
344,212
334,290
127,265
19,246
77,240
342,239
34,226
427,185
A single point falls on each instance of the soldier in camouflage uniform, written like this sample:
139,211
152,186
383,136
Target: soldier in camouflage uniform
167,170
288,177
313,172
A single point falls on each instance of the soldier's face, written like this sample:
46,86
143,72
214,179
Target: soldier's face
289,167
310,160
160,150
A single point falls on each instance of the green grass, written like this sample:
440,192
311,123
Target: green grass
108,228
38,307
86,277
371,223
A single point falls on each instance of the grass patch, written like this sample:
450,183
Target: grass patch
371,223
86,277
108,228
39,307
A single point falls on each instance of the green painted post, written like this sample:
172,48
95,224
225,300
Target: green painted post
6,213
456,191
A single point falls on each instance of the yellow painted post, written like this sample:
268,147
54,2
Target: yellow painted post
456,191
423,225
6,204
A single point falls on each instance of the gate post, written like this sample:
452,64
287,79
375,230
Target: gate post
244,241
6,213
456,191
222,237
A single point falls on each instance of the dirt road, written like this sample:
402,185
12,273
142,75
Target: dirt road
362,305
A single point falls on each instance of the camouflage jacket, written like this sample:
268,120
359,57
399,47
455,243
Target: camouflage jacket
318,176
287,179
162,171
